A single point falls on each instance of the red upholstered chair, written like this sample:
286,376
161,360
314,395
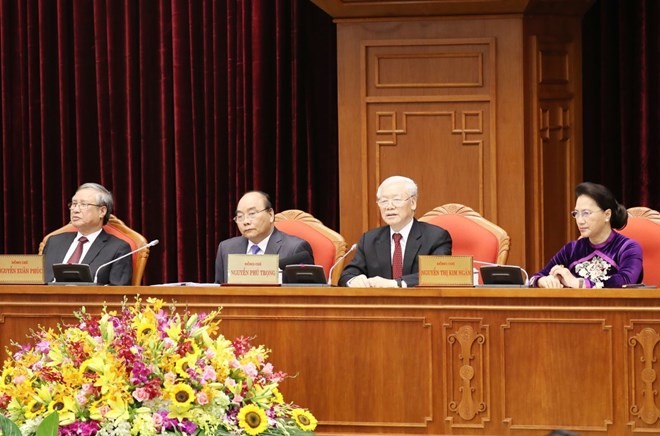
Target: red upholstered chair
116,227
644,227
328,245
471,233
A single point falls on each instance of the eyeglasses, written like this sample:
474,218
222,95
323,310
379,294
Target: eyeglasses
82,205
396,202
586,213
239,218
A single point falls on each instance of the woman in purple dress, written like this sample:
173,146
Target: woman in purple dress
601,258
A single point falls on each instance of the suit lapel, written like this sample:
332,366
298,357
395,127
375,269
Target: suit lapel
96,247
274,243
413,246
384,253
60,250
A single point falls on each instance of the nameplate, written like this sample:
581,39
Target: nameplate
249,269
21,269
445,271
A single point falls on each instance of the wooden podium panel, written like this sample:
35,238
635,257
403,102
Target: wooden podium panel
424,361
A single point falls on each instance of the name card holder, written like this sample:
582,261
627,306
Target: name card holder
250,269
21,269
445,271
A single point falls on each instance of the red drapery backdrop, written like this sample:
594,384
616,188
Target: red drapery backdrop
180,106
176,106
621,52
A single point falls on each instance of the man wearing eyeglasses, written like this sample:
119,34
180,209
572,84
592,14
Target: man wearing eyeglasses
386,257
255,219
90,209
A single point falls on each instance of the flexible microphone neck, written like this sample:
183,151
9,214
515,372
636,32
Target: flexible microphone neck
350,250
150,244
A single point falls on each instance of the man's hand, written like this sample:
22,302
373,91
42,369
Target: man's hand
379,282
360,281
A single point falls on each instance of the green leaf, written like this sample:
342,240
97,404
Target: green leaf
8,427
49,425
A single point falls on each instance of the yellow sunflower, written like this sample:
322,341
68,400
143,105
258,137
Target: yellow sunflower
145,329
304,419
34,408
181,395
252,419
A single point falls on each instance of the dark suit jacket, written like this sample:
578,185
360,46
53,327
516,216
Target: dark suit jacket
105,248
279,243
373,256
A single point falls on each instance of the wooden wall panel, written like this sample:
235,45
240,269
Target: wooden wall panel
431,106
511,82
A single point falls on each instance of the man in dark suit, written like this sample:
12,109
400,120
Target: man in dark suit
90,209
387,256
255,220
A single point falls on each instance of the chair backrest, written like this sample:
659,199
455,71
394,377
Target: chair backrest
116,227
471,233
328,245
644,227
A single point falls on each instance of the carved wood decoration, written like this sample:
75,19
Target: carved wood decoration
643,366
467,375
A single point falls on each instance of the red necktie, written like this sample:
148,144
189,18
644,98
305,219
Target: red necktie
77,253
397,259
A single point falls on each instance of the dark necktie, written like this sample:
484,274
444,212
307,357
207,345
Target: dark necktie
254,249
77,253
397,259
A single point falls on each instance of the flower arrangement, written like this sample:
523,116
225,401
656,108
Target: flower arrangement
146,370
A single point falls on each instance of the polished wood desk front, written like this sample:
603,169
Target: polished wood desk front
425,361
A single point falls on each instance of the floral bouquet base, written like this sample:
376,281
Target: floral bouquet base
144,370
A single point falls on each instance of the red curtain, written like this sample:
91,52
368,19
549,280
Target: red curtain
177,107
621,51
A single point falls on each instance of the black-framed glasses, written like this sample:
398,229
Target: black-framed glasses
239,218
81,205
586,213
396,202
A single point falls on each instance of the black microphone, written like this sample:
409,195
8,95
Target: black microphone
150,244
350,250
301,257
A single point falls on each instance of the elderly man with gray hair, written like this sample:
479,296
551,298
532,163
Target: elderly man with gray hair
386,257
90,209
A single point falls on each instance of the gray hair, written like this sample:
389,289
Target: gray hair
103,198
409,185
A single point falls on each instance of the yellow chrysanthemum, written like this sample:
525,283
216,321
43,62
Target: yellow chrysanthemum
252,419
304,419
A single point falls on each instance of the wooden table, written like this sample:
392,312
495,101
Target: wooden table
425,361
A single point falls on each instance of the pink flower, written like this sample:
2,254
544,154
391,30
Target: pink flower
202,398
209,373
250,370
141,394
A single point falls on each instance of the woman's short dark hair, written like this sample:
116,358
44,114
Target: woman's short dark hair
605,200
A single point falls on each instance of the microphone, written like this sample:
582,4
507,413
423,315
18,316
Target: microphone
350,250
497,264
150,244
